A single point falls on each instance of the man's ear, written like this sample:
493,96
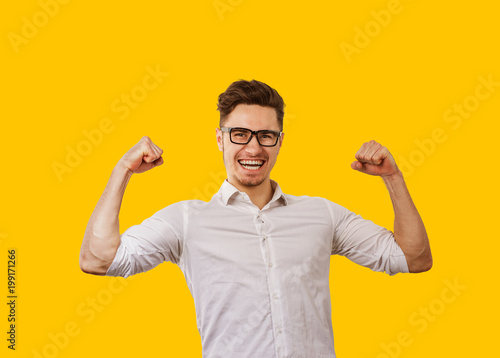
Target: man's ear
218,134
281,139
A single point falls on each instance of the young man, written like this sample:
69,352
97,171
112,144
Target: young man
256,260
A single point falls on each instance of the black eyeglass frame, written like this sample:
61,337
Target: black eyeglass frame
252,133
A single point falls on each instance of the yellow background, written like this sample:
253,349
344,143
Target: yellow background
396,89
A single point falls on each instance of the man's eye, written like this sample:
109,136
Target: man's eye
268,135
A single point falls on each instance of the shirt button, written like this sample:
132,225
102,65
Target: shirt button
264,238
278,330
270,264
276,296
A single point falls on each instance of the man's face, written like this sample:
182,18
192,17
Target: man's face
256,118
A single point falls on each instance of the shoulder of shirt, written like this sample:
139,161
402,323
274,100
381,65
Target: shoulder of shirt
315,201
299,199
181,207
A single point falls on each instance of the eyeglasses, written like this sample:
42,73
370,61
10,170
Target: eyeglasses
265,137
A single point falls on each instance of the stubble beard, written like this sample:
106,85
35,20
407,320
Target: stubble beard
249,182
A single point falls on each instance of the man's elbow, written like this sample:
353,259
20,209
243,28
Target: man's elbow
87,266
421,264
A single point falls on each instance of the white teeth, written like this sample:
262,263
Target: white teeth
252,162
250,167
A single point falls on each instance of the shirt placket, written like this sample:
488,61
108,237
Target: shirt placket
268,257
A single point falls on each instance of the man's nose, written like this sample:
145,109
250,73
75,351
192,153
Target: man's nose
253,146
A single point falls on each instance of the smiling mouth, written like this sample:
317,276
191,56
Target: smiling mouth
251,164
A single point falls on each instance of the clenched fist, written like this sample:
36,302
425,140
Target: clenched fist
375,159
142,157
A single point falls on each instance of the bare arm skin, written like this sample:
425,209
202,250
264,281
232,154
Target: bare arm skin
409,231
102,235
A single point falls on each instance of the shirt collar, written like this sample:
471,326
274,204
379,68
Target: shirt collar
227,191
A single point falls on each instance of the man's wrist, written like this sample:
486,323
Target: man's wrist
393,178
122,172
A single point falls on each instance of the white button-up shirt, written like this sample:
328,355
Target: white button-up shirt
259,278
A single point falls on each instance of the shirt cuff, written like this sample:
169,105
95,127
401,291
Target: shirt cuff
398,262
119,260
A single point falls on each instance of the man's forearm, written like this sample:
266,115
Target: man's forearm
409,229
102,235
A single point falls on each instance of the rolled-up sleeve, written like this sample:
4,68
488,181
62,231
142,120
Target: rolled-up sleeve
145,246
365,242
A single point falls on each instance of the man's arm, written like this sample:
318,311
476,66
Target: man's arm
102,235
409,231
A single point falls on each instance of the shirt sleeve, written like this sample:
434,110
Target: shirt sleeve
145,246
365,242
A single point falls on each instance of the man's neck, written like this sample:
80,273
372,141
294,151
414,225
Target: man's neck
260,195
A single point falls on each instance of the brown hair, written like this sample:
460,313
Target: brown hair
250,92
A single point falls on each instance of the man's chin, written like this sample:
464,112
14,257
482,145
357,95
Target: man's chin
250,182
